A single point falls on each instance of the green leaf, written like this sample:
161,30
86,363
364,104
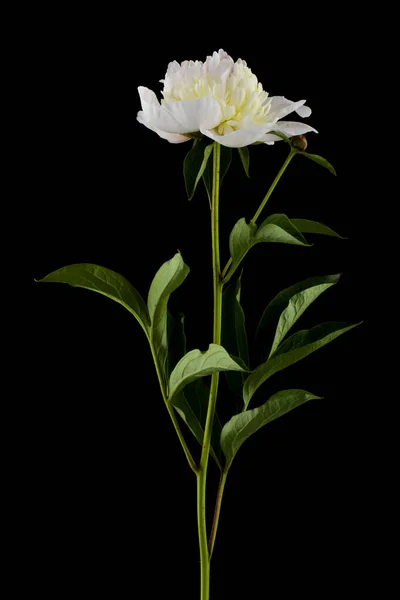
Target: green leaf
192,402
245,158
298,346
105,282
320,160
192,405
270,317
225,161
167,279
197,364
306,226
243,425
276,228
234,337
295,308
194,165
176,340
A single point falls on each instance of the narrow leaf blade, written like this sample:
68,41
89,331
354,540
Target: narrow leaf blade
197,364
176,340
279,228
245,158
195,164
293,311
106,282
320,160
297,347
234,337
306,226
225,160
167,279
241,239
192,404
276,228
270,317
243,425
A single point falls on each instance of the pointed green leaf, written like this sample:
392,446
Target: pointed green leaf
195,163
276,228
293,311
306,226
105,282
270,317
176,340
225,161
234,337
245,158
298,346
243,425
320,160
197,364
192,402
192,405
167,279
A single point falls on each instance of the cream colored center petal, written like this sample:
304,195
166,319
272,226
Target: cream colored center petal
240,95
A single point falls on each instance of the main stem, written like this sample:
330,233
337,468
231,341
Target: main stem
202,472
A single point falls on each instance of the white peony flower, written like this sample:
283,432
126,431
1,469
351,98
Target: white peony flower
222,100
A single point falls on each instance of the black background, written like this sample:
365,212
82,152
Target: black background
109,503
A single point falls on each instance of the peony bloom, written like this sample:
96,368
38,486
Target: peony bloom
220,99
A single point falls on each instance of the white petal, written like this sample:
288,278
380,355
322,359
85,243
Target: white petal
270,139
236,139
184,116
281,106
291,128
193,115
147,96
304,111
174,138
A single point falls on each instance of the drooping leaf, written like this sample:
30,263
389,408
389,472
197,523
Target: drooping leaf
176,340
243,425
234,337
270,317
195,163
320,160
192,403
197,364
167,279
245,158
306,226
293,311
295,348
276,228
105,282
225,161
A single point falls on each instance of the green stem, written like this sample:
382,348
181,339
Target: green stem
205,452
217,511
260,209
172,413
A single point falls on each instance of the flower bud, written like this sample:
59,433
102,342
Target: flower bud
299,142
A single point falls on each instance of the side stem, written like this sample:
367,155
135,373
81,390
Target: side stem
263,203
218,502
202,472
172,414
